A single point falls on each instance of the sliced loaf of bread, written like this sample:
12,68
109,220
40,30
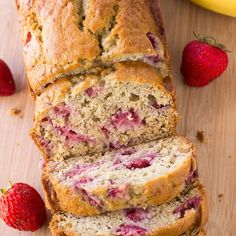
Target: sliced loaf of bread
183,215
62,38
140,176
123,106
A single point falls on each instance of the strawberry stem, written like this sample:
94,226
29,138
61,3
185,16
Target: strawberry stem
210,40
11,183
2,190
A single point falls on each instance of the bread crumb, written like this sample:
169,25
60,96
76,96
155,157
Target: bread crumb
220,196
14,112
201,136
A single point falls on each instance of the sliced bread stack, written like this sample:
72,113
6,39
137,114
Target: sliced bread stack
144,175
105,120
148,189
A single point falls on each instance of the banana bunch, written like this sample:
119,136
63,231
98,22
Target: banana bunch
226,7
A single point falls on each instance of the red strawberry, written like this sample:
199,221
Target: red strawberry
22,208
203,61
7,84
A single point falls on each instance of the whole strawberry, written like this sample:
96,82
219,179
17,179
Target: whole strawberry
7,84
203,61
22,208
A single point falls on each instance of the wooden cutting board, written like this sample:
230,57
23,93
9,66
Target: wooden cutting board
211,109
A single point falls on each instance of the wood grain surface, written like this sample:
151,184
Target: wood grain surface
211,109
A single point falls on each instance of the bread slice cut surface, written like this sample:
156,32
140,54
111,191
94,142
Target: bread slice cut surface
118,108
140,176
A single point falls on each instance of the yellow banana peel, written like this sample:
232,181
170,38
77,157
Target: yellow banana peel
226,7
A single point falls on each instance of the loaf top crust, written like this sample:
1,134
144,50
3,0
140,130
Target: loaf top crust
62,37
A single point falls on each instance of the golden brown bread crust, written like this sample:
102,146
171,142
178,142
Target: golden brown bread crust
203,211
51,199
201,233
191,219
64,37
154,192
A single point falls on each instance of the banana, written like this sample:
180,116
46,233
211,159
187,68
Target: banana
226,7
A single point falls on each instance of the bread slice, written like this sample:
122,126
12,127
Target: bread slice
95,113
62,38
144,175
184,214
